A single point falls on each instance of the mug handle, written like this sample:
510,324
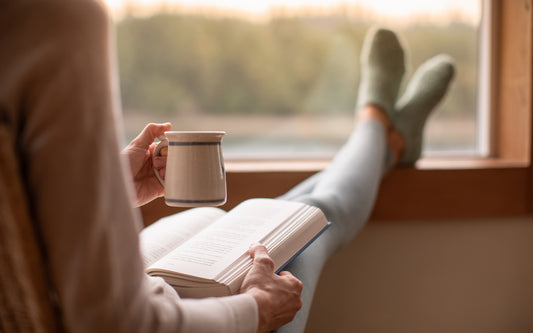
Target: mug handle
162,144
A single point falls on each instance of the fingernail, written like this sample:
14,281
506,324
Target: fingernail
158,163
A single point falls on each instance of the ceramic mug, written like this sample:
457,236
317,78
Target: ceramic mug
195,174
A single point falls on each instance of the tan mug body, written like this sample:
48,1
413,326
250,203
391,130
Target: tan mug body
195,174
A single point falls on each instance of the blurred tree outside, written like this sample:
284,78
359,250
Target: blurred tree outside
285,86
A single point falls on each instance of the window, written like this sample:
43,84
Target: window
282,79
499,184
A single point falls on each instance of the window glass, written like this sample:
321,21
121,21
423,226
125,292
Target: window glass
281,76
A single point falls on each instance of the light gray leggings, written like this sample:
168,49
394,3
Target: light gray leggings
346,192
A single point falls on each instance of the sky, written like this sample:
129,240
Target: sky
260,8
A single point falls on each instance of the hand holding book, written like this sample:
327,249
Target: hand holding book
277,296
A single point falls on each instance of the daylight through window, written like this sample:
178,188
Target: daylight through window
282,79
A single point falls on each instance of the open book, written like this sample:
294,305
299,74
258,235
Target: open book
204,251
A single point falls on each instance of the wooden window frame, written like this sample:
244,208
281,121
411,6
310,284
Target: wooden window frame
499,185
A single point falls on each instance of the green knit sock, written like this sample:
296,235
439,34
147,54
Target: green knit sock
424,91
382,69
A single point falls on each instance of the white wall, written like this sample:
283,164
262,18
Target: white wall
440,276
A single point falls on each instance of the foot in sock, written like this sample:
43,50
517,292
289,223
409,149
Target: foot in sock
382,69
424,91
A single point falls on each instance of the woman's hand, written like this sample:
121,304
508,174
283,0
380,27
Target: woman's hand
277,296
139,153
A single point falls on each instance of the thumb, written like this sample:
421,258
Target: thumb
260,257
149,133
257,249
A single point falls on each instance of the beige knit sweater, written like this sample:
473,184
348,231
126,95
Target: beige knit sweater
58,93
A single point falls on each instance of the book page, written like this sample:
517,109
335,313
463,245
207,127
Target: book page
166,234
217,246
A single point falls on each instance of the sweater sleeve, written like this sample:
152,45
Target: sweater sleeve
59,88
234,313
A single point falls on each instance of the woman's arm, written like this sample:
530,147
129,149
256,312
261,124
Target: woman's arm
64,95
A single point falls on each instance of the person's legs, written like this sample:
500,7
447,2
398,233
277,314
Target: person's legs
346,190
382,69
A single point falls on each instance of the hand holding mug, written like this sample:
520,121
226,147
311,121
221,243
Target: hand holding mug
138,153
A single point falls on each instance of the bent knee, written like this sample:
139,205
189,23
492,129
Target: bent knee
66,11
74,19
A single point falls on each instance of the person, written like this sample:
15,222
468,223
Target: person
59,99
